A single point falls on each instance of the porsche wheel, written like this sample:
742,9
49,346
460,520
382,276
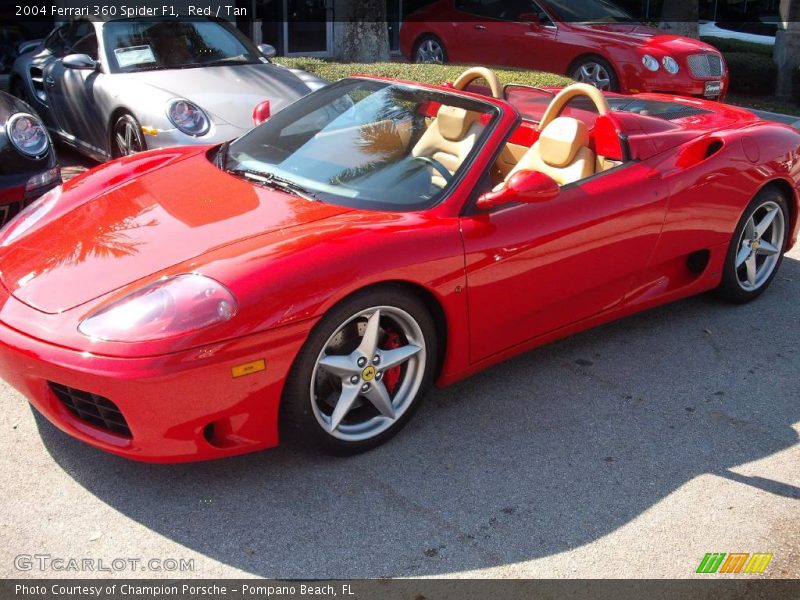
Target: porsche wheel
127,137
430,49
756,248
361,374
597,72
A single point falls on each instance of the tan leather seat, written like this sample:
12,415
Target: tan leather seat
562,152
449,139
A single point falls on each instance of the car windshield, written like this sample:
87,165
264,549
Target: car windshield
174,44
588,11
367,144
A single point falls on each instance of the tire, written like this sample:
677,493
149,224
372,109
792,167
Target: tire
126,136
756,249
430,49
595,71
331,371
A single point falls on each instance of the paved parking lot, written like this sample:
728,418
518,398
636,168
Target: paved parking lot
627,451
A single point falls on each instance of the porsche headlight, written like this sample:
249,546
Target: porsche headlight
27,134
671,65
188,117
164,309
650,63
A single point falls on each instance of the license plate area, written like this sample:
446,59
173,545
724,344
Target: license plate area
713,89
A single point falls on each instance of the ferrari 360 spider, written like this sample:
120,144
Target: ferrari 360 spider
316,275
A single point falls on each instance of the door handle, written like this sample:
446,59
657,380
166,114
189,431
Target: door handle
49,81
480,27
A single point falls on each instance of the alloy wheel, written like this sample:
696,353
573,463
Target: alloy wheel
594,74
126,138
760,245
430,51
368,373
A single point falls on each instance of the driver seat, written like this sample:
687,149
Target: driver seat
561,152
449,139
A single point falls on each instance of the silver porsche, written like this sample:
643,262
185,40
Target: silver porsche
122,86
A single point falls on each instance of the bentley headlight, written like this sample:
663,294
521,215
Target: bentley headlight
671,65
188,117
27,134
650,63
166,308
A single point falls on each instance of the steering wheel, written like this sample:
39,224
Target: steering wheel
474,73
446,175
558,103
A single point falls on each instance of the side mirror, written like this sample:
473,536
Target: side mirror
28,46
79,61
267,50
531,19
524,186
261,113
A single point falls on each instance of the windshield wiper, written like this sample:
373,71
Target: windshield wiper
272,180
231,60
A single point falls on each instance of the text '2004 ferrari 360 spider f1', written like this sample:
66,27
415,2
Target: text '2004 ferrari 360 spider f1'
316,275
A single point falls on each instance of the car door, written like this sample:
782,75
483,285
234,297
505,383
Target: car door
72,91
534,268
516,33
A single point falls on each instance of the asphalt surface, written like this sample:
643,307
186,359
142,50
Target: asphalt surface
626,451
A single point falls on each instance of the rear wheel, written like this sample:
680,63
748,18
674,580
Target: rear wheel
430,49
361,374
756,249
126,136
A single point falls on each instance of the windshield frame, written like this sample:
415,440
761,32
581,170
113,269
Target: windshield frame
557,16
495,109
112,66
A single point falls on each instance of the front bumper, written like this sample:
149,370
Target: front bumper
637,80
168,138
179,407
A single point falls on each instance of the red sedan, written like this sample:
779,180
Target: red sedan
316,275
592,41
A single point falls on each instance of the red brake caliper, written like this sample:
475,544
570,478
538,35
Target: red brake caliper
391,378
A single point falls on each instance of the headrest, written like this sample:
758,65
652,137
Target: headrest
454,122
560,141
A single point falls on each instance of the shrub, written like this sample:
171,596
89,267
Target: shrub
751,73
725,46
423,73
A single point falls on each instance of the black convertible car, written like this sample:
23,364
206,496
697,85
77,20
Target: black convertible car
28,166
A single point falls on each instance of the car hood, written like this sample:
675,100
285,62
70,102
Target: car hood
228,93
144,214
647,38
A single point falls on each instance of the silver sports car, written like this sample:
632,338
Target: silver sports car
120,86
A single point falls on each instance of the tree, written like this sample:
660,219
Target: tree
361,32
787,49
680,17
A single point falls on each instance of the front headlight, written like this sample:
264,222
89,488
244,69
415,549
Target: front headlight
27,135
671,65
650,63
188,117
167,308
29,217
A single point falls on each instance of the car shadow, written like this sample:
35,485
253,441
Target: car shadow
542,454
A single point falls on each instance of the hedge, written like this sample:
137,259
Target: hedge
751,73
424,73
727,45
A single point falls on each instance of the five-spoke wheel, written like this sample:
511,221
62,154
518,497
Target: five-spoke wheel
362,371
757,247
127,137
596,72
430,49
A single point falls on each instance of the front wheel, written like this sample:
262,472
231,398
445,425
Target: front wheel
126,136
597,72
756,249
361,374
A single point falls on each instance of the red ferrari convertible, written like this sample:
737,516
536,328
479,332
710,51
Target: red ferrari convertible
316,275
592,41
